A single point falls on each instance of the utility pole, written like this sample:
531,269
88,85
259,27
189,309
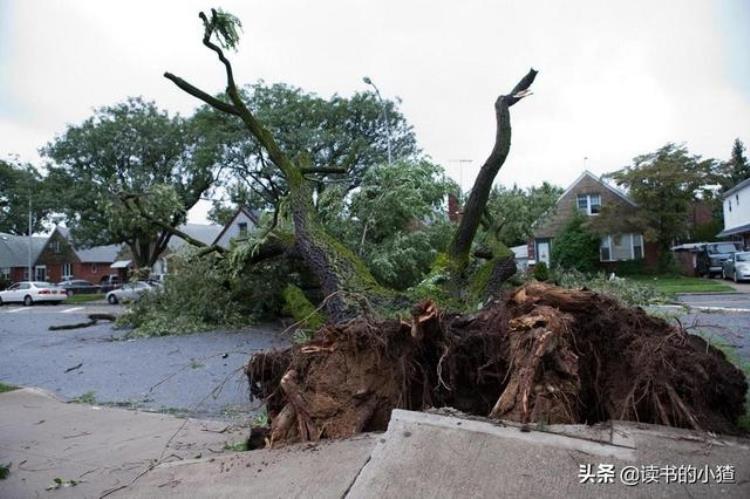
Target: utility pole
31,278
368,81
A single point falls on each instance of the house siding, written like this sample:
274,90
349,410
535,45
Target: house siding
551,225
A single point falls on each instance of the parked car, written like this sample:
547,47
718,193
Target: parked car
130,291
737,267
711,257
109,282
78,287
30,292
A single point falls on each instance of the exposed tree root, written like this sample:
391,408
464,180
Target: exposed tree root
539,355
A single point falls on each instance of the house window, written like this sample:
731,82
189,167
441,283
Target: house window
67,271
5,273
40,273
621,247
590,204
243,229
55,246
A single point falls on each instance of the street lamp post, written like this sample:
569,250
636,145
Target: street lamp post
368,81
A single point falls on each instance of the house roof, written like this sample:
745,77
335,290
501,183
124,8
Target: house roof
205,233
14,250
734,231
736,188
253,215
587,173
99,254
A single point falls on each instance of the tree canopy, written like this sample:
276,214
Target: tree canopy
511,212
663,183
737,168
339,137
21,187
129,173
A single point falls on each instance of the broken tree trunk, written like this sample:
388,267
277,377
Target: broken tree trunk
460,247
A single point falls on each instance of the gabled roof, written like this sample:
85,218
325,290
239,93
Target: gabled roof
99,254
14,250
253,215
614,190
736,188
205,233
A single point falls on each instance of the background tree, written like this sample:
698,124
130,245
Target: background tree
512,212
663,184
130,173
342,136
737,168
20,184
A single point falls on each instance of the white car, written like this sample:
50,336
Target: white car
30,292
130,291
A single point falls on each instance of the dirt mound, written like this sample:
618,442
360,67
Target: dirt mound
540,355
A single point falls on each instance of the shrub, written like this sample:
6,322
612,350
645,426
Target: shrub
576,247
541,272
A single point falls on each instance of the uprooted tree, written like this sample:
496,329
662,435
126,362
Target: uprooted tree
342,276
538,354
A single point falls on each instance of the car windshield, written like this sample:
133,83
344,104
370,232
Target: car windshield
743,257
40,284
722,248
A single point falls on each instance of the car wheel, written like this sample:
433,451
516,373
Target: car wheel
112,299
27,301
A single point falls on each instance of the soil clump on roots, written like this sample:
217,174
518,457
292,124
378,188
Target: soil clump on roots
541,354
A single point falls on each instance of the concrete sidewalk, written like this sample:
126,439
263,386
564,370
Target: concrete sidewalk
102,448
429,455
421,455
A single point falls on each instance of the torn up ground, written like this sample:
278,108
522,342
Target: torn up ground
541,354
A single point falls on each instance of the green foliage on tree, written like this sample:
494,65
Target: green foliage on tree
511,212
737,168
396,220
576,247
19,184
663,183
346,135
130,170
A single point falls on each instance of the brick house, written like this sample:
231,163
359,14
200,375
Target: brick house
51,257
588,194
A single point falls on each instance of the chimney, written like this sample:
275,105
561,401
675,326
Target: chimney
454,210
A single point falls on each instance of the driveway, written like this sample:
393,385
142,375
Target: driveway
199,374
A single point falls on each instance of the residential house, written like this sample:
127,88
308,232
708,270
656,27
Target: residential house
205,233
736,207
50,257
241,224
588,195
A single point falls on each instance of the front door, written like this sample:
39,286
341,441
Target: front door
40,273
542,248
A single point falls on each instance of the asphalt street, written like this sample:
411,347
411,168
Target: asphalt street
181,374
177,374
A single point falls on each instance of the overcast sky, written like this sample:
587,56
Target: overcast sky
616,79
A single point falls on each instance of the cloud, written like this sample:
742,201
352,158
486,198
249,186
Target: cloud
616,80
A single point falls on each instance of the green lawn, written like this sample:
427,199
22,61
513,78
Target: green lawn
84,298
680,284
6,388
